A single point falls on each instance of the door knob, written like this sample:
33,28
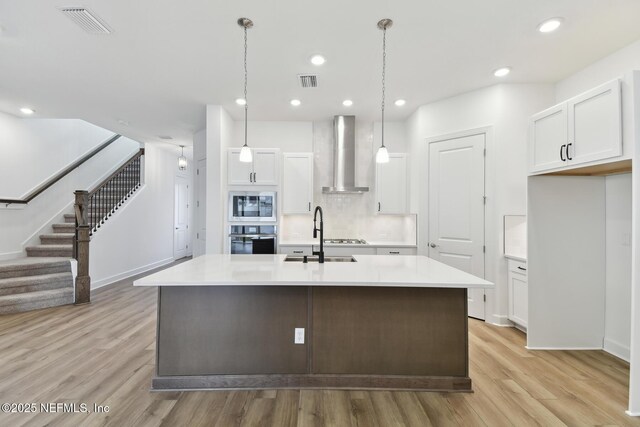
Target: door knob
433,245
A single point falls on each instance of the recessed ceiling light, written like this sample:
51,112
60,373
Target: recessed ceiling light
550,25
347,103
295,102
28,111
165,137
318,60
241,101
400,102
501,72
123,122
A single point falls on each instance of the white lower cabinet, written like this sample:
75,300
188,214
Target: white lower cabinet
348,250
296,250
396,251
518,292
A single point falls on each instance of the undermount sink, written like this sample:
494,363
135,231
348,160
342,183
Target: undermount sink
298,258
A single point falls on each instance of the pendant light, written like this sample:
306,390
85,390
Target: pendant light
182,160
382,156
245,151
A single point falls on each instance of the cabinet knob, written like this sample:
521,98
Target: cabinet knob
433,245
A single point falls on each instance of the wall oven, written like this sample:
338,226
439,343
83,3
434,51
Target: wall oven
252,206
252,239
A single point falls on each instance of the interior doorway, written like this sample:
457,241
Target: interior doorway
181,218
457,208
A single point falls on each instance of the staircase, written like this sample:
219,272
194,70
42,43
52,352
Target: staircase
43,278
32,283
59,243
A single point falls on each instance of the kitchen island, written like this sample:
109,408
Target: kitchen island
381,322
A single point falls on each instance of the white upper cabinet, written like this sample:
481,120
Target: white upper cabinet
391,185
548,135
297,183
262,171
586,128
595,126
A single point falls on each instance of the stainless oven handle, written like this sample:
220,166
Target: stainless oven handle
253,235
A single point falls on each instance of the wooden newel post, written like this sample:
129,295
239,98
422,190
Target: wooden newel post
81,248
83,281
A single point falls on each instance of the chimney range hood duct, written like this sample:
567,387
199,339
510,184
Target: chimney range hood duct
344,157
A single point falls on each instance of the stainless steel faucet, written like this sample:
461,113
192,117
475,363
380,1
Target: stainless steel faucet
315,235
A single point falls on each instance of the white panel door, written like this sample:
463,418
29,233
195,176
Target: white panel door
201,209
181,218
297,183
265,166
548,139
456,209
595,130
391,185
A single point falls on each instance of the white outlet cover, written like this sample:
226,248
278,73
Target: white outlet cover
299,336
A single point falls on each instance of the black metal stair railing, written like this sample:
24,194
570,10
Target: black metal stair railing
93,208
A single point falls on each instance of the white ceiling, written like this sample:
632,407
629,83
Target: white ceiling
167,59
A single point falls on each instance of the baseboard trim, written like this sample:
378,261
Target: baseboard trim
7,256
312,381
125,275
617,349
500,320
561,348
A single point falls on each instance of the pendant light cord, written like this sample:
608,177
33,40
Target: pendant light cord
384,66
246,104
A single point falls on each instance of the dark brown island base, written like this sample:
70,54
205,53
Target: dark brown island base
220,334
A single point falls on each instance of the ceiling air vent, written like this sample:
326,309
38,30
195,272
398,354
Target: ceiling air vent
86,20
308,80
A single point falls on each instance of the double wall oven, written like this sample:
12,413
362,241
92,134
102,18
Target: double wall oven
250,215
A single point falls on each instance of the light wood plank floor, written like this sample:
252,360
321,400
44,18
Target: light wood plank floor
103,353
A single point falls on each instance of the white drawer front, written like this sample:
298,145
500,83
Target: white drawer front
396,251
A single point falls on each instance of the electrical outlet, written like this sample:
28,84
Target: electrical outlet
299,336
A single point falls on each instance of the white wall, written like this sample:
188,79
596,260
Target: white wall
615,65
506,108
35,149
219,137
20,225
139,236
289,137
617,333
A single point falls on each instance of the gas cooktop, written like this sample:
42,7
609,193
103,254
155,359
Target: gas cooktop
346,241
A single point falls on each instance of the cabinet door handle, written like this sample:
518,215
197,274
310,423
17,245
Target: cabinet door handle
309,206
561,152
250,177
569,145
521,268
394,252
378,206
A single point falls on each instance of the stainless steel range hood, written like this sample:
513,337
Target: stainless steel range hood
344,157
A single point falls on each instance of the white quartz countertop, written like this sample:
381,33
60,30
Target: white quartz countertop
272,270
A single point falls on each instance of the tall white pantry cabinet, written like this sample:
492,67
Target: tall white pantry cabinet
574,231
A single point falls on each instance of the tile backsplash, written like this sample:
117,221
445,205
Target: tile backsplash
348,215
